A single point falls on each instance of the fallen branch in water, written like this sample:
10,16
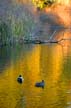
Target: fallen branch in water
27,41
45,41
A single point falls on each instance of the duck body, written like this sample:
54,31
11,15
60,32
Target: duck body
20,79
40,84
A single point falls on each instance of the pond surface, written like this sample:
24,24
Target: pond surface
49,62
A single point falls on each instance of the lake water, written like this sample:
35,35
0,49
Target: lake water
48,62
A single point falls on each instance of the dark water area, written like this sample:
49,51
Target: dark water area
50,62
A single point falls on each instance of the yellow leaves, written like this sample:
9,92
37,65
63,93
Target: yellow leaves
43,3
38,3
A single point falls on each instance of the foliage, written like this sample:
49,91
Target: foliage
16,27
43,3
4,31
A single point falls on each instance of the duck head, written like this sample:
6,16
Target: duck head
20,79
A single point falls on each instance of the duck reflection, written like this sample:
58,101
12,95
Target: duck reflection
21,103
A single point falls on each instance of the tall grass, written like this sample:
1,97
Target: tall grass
18,22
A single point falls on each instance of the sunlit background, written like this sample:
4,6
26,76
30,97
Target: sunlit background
48,62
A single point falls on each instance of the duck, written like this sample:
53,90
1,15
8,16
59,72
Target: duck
40,84
20,79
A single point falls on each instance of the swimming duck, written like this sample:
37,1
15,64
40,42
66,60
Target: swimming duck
20,79
40,84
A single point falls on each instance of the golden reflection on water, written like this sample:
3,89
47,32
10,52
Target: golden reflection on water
41,62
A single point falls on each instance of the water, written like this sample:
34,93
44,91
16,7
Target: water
50,62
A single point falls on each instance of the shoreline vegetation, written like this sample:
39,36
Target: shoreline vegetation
20,24
9,38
